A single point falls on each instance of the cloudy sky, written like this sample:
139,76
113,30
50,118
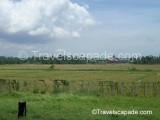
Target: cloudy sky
117,26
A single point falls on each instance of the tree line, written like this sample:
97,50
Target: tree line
147,60
77,60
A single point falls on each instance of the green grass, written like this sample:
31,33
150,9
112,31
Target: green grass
75,107
109,72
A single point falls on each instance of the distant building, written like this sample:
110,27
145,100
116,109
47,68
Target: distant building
113,59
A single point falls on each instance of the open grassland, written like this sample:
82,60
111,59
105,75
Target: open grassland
78,105
108,72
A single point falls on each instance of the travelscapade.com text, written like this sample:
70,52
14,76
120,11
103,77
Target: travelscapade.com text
121,112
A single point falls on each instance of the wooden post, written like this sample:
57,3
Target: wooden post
122,88
112,89
71,87
17,86
102,88
133,89
35,87
25,85
75,85
144,89
22,109
9,86
44,87
1,85
43,90
154,90
82,86
56,86
116,88
158,88
91,87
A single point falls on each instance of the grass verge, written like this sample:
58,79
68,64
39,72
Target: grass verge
75,106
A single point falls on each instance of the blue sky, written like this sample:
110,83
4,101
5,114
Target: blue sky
116,26
127,25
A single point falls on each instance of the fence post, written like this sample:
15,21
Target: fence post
43,90
71,87
21,109
116,87
53,86
133,89
91,87
112,89
25,85
44,87
158,88
9,86
82,86
17,86
144,89
56,86
122,88
154,90
35,87
1,86
102,88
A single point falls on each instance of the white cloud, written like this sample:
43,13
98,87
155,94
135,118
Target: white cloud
60,32
59,50
40,31
52,18
75,34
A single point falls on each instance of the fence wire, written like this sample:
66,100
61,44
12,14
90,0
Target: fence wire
100,88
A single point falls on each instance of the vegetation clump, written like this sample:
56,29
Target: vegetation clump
52,67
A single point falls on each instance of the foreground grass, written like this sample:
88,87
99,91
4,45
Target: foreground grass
75,106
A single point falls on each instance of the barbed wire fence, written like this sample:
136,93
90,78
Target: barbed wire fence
99,88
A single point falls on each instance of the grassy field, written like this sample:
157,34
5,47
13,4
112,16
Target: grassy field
109,72
77,106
